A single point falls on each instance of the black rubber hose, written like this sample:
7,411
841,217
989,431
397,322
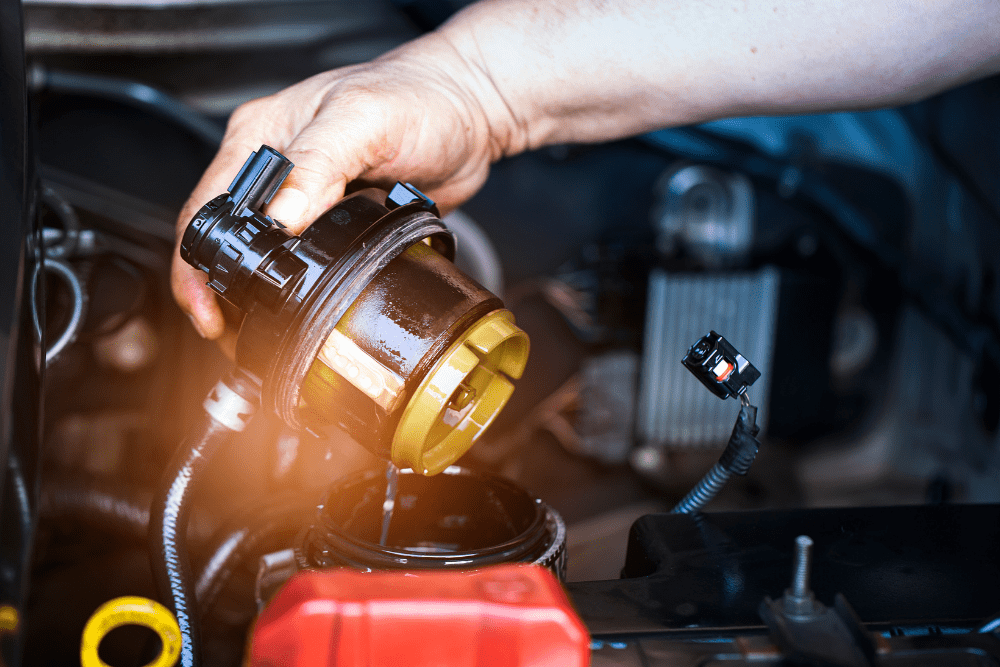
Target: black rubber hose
133,93
226,553
65,244
232,545
101,503
168,524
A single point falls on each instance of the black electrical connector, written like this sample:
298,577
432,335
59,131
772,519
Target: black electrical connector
259,178
247,256
727,374
720,367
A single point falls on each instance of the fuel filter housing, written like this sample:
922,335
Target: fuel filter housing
362,322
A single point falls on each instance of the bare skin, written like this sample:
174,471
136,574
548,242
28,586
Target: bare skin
505,76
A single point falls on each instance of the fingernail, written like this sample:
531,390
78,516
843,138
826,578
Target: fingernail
197,327
288,206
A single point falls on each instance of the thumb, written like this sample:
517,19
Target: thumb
317,181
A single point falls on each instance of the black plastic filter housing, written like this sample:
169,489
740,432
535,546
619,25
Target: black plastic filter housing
362,322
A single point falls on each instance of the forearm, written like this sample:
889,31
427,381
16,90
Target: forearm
550,71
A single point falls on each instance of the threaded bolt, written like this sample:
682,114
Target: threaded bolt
800,581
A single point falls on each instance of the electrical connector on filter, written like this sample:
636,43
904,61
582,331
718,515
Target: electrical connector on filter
727,373
249,257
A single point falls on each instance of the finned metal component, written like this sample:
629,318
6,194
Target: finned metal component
228,408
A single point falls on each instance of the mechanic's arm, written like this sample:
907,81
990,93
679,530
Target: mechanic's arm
504,76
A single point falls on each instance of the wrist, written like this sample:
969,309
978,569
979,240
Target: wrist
474,44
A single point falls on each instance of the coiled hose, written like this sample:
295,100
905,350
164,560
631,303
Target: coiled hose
740,452
703,492
228,409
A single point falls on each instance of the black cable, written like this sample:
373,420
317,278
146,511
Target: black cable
135,94
227,553
739,454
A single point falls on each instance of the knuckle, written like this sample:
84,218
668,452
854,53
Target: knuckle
249,114
314,159
247,110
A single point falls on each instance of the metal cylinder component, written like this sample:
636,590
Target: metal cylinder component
707,212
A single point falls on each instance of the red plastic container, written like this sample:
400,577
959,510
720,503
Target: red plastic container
502,616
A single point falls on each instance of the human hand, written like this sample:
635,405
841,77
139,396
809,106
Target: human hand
503,76
419,114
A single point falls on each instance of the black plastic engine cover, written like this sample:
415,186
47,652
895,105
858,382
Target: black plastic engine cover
898,566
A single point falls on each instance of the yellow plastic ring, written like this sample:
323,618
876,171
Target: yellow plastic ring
485,357
9,619
131,610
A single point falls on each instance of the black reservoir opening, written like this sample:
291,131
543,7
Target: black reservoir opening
459,518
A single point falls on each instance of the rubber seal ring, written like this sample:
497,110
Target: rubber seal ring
131,610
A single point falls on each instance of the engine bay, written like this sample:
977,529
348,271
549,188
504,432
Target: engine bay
851,258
